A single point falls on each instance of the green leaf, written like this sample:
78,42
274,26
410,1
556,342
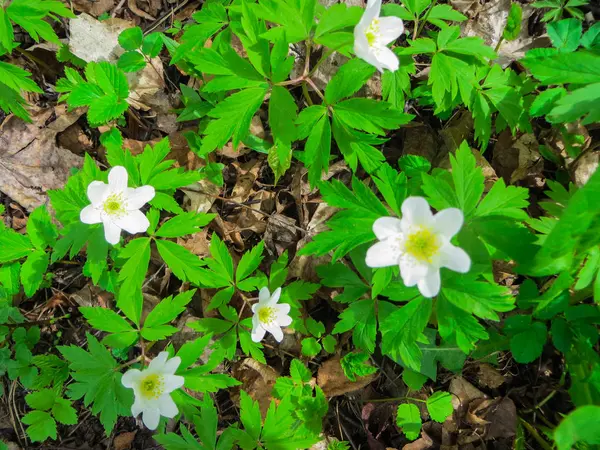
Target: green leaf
506,201
233,116
152,44
414,165
468,179
439,406
132,61
329,343
512,29
282,114
347,80
580,425
184,264
33,271
580,67
355,365
392,185
565,34
528,339
212,382
249,262
191,351
184,224
279,159
578,103
439,13
42,400
310,347
168,309
64,412
131,277
370,115
17,79
318,149
105,319
545,101
30,16
41,426
591,38
131,38
14,245
250,415
408,420
40,229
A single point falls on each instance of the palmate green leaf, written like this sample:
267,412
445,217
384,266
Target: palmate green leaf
249,262
335,18
42,400
17,79
131,38
370,115
550,67
15,246
401,330
63,412
545,101
184,224
360,318
282,114
439,406
168,309
576,104
348,80
131,277
392,185
468,179
441,13
394,85
41,426
565,34
355,365
318,149
460,324
30,16
591,38
580,425
184,264
506,201
12,102
40,229
335,193
105,319
512,29
233,116
33,271
295,18
198,381
97,381
408,419
132,61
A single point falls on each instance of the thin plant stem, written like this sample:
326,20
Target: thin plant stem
424,20
534,433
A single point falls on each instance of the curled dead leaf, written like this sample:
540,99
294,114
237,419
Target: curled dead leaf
332,380
257,380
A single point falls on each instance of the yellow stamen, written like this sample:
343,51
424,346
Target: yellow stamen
113,205
372,32
152,386
422,244
266,314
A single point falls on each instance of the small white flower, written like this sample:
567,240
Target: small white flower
117,206
269,316
152,388
420,244
372,35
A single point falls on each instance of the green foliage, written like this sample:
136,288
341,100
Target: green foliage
354,365
408,420
579,426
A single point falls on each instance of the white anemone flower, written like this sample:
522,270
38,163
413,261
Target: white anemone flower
152,388
372,35
269,316
420,244
117,206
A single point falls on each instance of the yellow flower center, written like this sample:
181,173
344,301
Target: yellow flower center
266,314
113,205
152,386
372,32
423,244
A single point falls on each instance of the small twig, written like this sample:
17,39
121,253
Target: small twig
117,8
534,433
129,363
394,399
315,88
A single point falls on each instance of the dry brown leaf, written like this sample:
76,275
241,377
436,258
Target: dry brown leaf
256,129
201,196
257,380
584,167
420,140
93,7
75,140
463,392
503,420
332,380
518,159
31,163
422,443
132,5
123,441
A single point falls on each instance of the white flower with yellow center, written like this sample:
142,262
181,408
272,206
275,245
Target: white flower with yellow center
117,206
269,316
372,35
420,244
152,388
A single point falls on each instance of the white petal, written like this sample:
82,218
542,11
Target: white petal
383,254
275,330
363,50
137,407
133,222
386,227
90,215
136,198
415,211
258,333
388,59
284,321
131,378
429,286
112,233
158,364
117,179
448,222
283,309
412,271
264,295
254,307
455,258
173,382
372,11
167,406
96,192
151,417
390,29
275,297
172,365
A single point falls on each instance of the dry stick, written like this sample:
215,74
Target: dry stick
117,8
165,17
534,433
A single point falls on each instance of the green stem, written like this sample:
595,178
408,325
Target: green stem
425,20
394,399
534,433
306,94
499,44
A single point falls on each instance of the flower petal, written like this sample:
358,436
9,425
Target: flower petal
415,211
448,222
172,365
383,254
173,382
131,378
90,215
117,179
158,363
386,227
133,222
363,50
455,258
283,309
112,233
284,321
390,29
388,59
264,295
412,271
167,406
96,192
258,333
275,330
137,407
136,198
429,286
275,297
151,417
372,10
